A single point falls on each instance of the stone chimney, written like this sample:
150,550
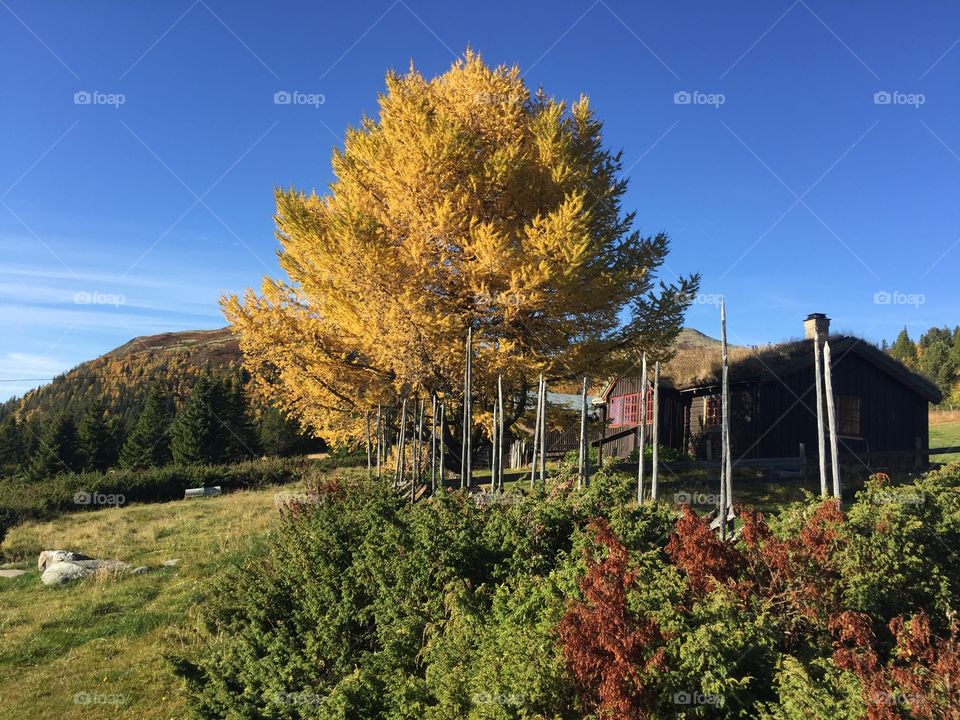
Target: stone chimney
816,324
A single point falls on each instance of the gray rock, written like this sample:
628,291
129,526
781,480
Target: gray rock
49,557
140,570
60,573
63,572
171,563
12,573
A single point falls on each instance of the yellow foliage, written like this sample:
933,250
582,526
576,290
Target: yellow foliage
468,202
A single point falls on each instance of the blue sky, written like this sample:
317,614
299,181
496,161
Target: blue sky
786,180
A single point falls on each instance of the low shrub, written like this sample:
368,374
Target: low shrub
584,604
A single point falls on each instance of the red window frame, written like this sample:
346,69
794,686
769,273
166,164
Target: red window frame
712,410
625,409
615,408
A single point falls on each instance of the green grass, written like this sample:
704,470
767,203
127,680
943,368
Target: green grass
108,635
945,434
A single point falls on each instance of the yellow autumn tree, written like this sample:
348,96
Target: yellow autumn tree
468,202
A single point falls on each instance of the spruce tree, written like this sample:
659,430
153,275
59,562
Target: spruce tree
280,435
57,451
12,446
148,444
96,440
904,350
197,435
240,436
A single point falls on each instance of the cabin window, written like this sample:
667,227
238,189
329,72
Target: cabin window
649,405
616,410
625,409
712,410
848,415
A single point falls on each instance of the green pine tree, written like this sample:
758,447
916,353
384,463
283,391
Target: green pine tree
148,444
12,446
280,435
198,434
241,437
904,350
96,440
57,451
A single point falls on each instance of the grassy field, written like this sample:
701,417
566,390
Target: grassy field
945,432
106,636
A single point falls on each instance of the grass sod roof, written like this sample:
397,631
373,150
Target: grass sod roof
697,367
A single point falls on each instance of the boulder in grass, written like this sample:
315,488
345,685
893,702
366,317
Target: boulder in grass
49,557
60,573
12,573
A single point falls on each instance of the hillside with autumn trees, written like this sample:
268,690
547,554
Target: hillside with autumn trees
118,381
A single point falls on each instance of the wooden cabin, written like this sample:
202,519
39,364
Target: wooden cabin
882,407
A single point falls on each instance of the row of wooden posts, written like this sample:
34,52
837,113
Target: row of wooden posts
433,457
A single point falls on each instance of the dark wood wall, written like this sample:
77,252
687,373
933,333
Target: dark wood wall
892,416
672,417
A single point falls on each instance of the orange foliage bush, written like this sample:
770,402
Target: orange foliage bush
611,653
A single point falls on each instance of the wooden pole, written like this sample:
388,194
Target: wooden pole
724,424
379,444
369,447
643,426
543,436
584,459
500,432
421,444
401,441
655,433
821,435
443,445
832,421
536,433
469,408
433,444
466,413
493,449
417,447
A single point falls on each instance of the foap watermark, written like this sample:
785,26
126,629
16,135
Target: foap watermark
490,498
694,498
697,698
713,299
99,698
99,499
895,97
298,699
891,498
296,97
496,698
82,297
884,297
95,97
893,698
695,97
